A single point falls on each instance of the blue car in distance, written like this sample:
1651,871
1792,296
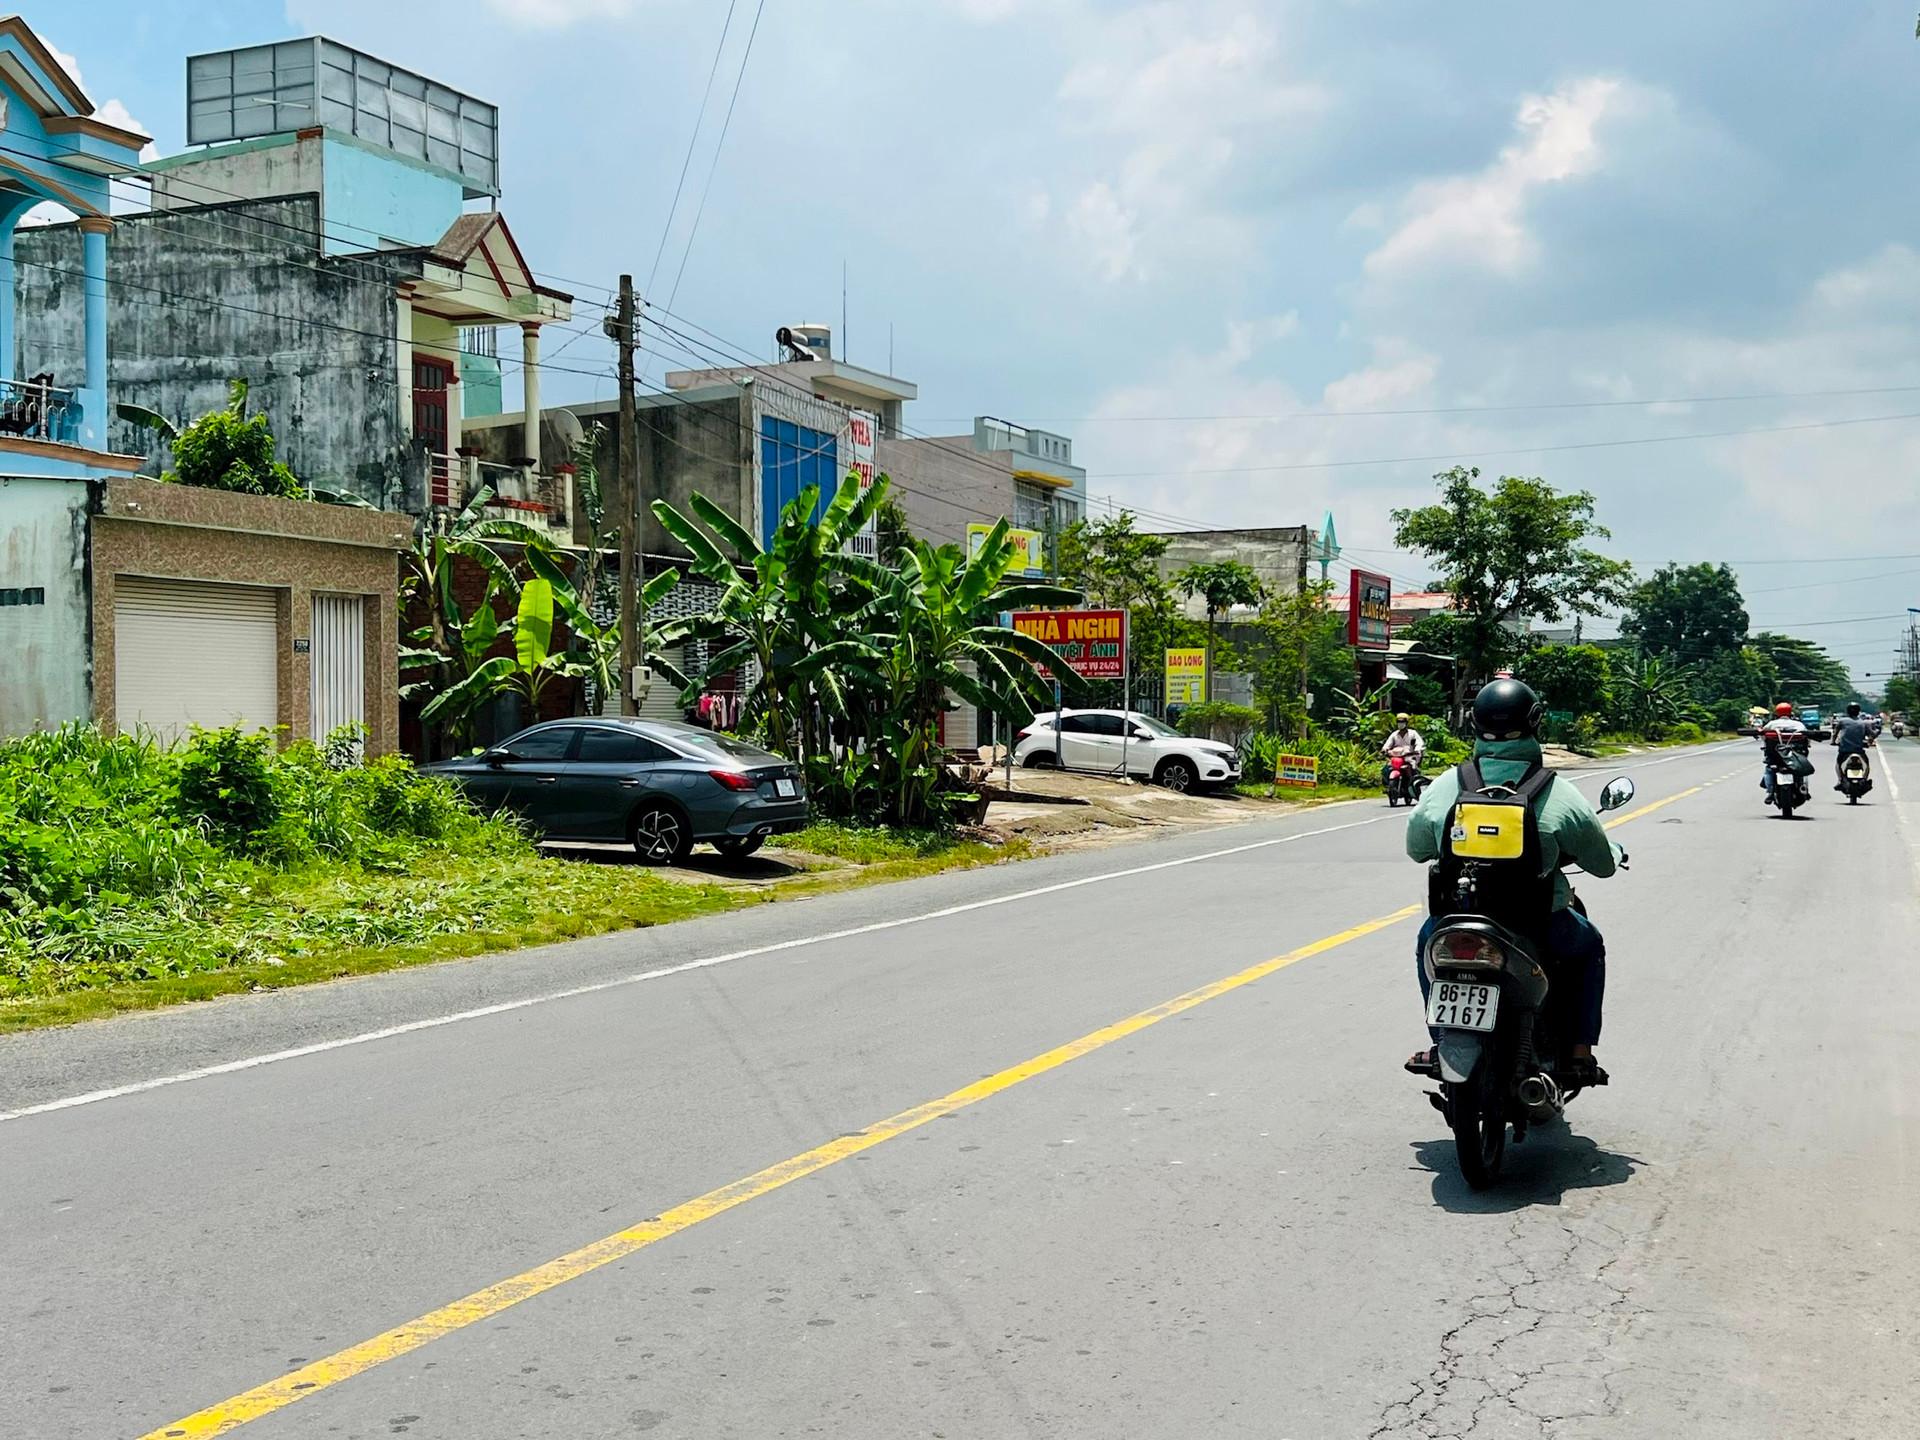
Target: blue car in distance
659,786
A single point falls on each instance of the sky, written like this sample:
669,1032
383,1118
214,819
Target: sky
1212,240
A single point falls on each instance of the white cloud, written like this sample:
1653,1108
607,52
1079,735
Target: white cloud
1395,377
1104,230
1480,219
1185,98
107,112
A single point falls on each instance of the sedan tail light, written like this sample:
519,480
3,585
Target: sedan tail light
735,780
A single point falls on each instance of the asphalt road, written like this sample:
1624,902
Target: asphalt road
825,1169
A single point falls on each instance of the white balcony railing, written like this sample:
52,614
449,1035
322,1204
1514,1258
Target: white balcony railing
37,409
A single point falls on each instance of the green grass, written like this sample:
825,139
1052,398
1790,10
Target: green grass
868,844
1317,795
134,876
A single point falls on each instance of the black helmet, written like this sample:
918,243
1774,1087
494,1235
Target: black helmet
1853,709
1507,710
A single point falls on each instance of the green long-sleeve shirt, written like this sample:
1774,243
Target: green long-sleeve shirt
1568,824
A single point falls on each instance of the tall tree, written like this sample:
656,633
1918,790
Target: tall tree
1574,678
1221,585
1690,612
1117,568
1808,674
1510,554
1301,651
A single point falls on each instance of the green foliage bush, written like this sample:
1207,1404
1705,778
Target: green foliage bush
1686,732
225,451
115,850
1218,720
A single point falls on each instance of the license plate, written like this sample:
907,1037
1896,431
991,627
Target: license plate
785,788
1786,778
1456,1005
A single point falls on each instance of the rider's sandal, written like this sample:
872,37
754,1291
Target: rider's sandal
1424,1062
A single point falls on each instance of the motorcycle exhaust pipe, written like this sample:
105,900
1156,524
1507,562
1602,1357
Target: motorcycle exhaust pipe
1538,1090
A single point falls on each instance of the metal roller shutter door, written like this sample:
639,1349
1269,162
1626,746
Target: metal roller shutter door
191,653
663,696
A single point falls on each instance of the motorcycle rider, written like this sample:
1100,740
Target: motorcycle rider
1506,721
1778,733
1402,740
1851,736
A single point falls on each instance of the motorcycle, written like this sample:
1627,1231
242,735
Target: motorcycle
1500,1028
1405,783
1789,790
1856,777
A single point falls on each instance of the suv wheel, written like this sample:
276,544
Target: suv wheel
1042,760
661,835
1177,774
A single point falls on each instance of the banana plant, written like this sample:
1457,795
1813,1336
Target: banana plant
593,651
778,606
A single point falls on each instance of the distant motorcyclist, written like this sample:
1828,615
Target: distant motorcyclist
1506,721
1405,741
1779,735
1851,736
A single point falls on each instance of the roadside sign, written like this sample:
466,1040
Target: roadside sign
1029,554
1369,610
1298,770
1186,677
1091,643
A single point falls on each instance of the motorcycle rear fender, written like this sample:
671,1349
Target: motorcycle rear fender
1460,1053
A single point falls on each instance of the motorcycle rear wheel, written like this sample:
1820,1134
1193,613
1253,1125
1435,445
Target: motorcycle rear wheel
1478,1117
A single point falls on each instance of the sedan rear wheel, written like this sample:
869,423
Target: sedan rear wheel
661,836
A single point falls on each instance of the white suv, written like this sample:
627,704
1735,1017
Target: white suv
1091,740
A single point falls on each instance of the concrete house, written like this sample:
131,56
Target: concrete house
315,241
124,601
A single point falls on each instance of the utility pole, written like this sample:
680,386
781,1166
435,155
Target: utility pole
622,327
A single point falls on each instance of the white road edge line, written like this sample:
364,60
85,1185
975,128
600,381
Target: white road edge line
115,1092
253,1062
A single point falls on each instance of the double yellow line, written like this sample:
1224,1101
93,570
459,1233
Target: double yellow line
318,1375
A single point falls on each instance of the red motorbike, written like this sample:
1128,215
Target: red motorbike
1404,781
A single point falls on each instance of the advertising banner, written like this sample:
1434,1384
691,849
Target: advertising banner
1300,770
1369,610
1186,677
1029,556
1091,643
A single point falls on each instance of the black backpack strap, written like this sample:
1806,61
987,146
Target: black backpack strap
1534,783
1469,772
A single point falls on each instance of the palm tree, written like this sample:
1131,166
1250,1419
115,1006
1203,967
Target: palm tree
1653,693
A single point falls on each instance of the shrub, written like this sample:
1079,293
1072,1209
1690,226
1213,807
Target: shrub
226,783
1218,720
1686,731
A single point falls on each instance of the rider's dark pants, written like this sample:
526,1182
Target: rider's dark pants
1577,955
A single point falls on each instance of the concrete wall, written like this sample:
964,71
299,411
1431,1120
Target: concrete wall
43,647
274,165
202,297
945,485
374,198
370,198
1277,554
293,546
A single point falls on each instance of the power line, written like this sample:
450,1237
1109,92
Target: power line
699,118
719,145
1514,408
1521,450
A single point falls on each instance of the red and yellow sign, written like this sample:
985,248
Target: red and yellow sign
1369,611
1092,643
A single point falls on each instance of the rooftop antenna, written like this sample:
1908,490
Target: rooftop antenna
843,308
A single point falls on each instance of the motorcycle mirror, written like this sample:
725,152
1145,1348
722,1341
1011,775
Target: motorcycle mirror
1616,792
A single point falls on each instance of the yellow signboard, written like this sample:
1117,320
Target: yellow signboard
1303,770
1029,556
1186,677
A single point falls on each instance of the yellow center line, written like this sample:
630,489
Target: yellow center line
318,1375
